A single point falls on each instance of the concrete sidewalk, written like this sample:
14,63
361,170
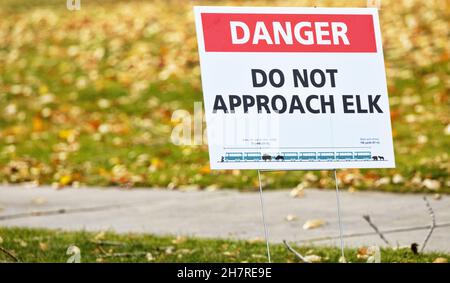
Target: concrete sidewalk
229,214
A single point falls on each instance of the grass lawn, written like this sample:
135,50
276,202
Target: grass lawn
86,97
38,245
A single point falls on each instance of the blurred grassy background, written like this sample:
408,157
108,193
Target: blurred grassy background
86,97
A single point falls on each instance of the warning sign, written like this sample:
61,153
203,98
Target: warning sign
294,88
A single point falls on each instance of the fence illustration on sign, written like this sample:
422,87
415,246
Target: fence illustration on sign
301,156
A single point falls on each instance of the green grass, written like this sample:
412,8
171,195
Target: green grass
113,73
39,245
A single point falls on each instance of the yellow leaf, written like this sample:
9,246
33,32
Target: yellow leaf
43,246
68,135
156,163
205,169
440,260
100,236
38,124
43,89
65,180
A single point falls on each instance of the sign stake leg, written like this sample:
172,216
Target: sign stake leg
339,215
266,232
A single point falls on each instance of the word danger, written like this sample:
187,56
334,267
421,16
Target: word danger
305,33
287,32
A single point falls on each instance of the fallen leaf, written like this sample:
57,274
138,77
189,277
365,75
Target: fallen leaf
437,196
38,200
103,103
189,188
149,257
156,163
314,223
171,186
447,130
43,246
38,124
313,258
65,180
99,236
297,192
431,184
374,254
398,179
212,188
362,253
422,139
205,169
291,217
21,242
255,240
169,250
68,135
179,240
382,181
440,260
230,254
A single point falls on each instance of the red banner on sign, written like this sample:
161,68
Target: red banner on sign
234,32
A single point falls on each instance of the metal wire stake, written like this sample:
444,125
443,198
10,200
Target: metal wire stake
339,215
266,232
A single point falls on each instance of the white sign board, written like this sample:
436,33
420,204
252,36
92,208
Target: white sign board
294,88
